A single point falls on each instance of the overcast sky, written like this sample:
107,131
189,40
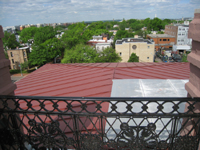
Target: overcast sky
19,12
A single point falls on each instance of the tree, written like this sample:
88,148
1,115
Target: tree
28,33
46,52
160,32
122,34
80,54
43,34
25,65
75,36
108,55
184,58
9,41
6,55
155,24
133,58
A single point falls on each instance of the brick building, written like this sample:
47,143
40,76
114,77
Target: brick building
171,30
162,41
22,27
17,56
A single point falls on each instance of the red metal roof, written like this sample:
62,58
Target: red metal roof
88,80
93,79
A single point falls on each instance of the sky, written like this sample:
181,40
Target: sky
20,12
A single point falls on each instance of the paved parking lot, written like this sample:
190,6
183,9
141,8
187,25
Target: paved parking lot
16,78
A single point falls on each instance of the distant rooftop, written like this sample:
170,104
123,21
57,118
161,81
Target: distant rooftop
127,40
160,35
179,25
19,48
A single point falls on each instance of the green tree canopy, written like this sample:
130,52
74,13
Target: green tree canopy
155,24
108,55
80,54
133,58
9,41
43,34
28,33
74,35
46,52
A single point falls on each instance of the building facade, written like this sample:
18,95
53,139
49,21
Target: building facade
162,41
100,42
172,30
180,32
101,46
17,56
143,48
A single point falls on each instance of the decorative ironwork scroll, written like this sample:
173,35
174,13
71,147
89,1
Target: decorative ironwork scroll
47,135
36,123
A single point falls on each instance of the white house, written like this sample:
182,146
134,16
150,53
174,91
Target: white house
103,45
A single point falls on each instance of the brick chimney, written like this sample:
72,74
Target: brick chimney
193,86
6,85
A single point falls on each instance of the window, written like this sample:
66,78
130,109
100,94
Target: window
164,39
120,53
148,46
25,59
11,54
168,39
13,61
14,67
24,53
160,39
147,57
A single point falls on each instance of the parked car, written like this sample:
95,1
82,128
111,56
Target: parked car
170,59
176,57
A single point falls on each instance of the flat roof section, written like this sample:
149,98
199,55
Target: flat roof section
160,36
145,88
149,88
132,40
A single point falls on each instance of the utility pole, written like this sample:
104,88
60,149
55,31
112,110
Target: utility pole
55,59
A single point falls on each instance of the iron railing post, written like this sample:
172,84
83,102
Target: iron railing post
102,130
173,132
77,132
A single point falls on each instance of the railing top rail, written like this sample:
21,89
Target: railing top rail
102,106
184,99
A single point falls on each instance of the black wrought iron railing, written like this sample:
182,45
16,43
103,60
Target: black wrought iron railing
29,122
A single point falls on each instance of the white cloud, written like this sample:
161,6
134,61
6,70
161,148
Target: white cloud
49,11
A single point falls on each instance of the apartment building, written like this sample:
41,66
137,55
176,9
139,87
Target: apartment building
180,32
143,48
17,56
162,41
